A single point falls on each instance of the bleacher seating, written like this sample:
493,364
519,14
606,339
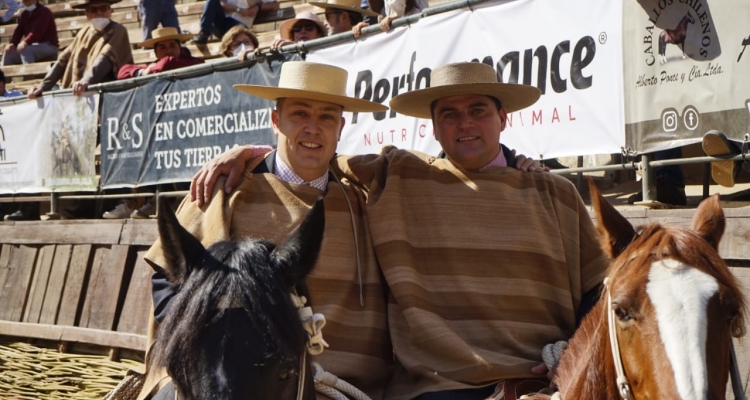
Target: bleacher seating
69,21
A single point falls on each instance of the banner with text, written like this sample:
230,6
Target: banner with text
48,144
686,71
166,130
571,51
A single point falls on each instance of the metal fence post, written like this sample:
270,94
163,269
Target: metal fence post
648,185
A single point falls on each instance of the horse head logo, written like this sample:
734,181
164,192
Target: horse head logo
675,36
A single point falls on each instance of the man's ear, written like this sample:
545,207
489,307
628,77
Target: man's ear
503,118
275,122
341,128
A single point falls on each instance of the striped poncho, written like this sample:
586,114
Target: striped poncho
265,207
484,268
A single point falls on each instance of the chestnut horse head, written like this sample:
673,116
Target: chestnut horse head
674,306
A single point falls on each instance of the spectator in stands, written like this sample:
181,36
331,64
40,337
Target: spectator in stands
35,37
305,26
393,9
96,54
155,12
345,15
238,42
12,5
5,93
167,44
221,15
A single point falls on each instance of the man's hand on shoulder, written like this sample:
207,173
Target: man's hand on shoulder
231,163
526,164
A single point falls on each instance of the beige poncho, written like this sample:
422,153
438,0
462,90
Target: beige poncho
484,268
88,45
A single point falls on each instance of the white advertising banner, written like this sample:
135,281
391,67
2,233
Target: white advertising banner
48,144
571,51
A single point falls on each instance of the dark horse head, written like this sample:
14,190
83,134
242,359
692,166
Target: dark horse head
233,332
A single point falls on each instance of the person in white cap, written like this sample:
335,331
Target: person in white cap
276,192
345,15
485,264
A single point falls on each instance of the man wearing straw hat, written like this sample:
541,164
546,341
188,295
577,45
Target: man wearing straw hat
96,54
276,192
167,44
485,264
345,15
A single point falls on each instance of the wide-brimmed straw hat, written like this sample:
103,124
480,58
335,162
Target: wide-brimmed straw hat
86,4
312,81
464,78
346,5
285,31
163,34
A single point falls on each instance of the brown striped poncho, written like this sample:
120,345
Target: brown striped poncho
265,207
484,268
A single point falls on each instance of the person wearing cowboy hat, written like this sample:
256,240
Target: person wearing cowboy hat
167,44
485,264
96,54
276,193
304,26
345,15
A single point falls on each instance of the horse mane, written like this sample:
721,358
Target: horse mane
233,285
654,242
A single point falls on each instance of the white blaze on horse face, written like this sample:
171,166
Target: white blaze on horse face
680,295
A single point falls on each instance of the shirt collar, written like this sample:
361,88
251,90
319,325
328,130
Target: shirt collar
286,174
497,162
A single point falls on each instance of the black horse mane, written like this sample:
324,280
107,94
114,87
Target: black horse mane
233,308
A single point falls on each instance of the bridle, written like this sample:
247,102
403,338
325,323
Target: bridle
623,386
313,324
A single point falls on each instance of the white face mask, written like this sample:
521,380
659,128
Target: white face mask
240,49
99,23
30,8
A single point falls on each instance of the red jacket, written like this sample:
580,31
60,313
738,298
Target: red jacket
36,26
165,64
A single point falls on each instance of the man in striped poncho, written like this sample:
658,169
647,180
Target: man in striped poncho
485,264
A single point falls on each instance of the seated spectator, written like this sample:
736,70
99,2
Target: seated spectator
167,44
221,15
4,92
345,15
155,12
12,5
35,37
305,26
238,42
96,54
393,9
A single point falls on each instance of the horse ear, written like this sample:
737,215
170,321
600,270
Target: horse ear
708,221
297,254
178,245
615,232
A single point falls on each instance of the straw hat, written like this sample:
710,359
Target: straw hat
464,78
162,34
312,81
286,28
346,5
86,4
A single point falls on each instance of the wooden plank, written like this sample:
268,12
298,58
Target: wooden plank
74,284
56,282
14,294
104,289
39,283
87,294
35,69
137,306
63,232
73,334
742,345
139,232
5,252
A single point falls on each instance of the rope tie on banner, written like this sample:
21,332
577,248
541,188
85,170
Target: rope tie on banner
628,157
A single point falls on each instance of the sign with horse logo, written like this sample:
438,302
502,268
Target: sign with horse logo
48,145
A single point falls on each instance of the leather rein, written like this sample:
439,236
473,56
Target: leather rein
623,386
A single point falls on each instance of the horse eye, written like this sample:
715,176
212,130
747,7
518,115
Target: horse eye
622,314
286,374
